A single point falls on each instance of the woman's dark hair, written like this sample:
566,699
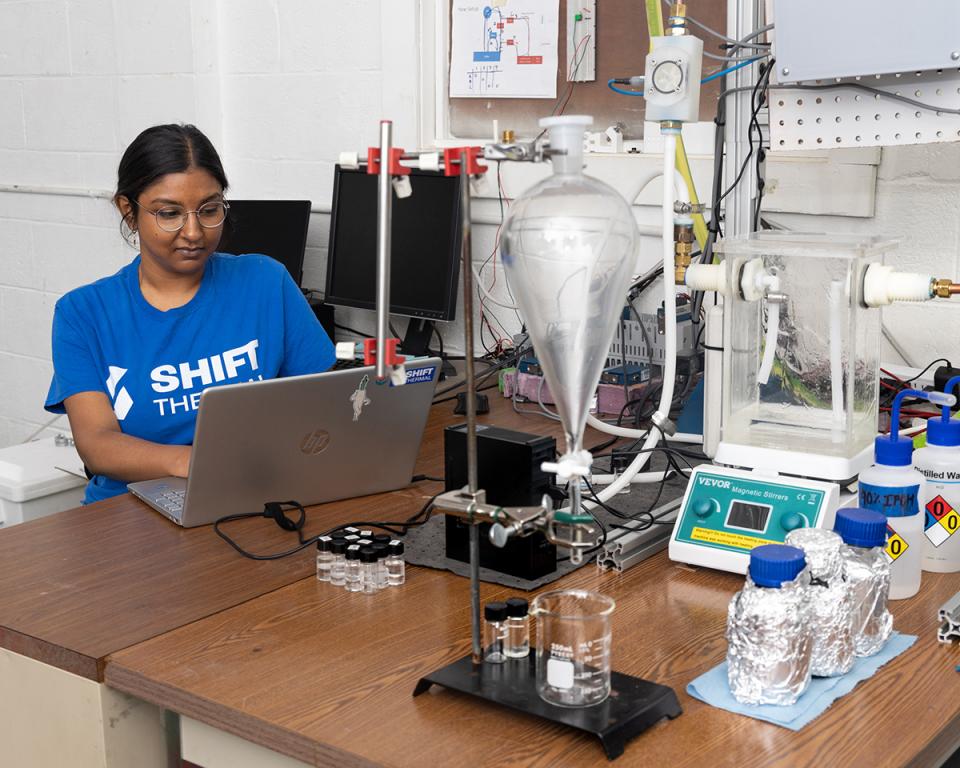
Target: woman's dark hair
165,149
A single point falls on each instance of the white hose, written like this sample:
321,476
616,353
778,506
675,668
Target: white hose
670,324
770,343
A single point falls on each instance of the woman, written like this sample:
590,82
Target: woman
133,352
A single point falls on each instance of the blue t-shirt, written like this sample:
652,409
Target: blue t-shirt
247,321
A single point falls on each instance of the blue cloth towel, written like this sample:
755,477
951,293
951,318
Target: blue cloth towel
712,687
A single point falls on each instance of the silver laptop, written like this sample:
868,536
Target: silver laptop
310,439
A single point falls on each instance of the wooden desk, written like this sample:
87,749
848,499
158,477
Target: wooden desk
85,583
326,677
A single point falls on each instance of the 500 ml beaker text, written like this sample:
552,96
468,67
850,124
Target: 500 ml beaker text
573,647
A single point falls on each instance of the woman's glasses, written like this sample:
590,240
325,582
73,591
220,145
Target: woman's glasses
209,215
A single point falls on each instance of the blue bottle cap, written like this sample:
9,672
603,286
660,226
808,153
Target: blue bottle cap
773,564
860,527
893,453
943,431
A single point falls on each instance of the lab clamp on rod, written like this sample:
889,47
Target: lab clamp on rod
564,528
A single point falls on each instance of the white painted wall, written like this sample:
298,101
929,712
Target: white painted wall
280,86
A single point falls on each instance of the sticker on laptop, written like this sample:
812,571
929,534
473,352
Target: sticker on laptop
420,375
359,397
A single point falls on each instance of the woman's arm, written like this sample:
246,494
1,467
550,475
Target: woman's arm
107,451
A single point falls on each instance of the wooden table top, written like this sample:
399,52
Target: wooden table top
327,677
84,583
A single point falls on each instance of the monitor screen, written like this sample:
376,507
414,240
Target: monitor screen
276,228
425,252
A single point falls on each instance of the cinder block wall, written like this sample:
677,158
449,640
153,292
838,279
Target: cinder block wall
281,87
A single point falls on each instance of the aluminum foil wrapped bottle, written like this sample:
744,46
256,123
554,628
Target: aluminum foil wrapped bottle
831,601
768,629
866,570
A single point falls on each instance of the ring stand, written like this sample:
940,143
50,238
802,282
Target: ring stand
632,706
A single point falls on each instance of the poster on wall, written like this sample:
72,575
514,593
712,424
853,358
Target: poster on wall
504,49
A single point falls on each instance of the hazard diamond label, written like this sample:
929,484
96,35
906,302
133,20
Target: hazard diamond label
896,546
941,521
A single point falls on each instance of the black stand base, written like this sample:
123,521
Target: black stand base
632,706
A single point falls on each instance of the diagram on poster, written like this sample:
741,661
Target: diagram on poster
505,49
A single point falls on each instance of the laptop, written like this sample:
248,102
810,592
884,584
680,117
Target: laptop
310,439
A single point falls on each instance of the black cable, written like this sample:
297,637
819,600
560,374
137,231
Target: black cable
353,331
938,360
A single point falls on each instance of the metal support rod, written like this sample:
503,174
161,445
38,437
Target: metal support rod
467,273
384,224
742,18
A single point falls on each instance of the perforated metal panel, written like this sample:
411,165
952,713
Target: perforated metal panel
848,117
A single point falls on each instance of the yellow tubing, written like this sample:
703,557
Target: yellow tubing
655,26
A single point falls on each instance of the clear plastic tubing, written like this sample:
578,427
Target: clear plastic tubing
353,583
338,567
368,570
396,566
517,645
324,558
494,632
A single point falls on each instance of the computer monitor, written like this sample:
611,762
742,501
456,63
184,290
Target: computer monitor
276,228
425,252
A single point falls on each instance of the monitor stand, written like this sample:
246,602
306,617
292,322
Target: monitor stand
416,343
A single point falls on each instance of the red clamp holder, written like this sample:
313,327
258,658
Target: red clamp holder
370,352
373,161
451,161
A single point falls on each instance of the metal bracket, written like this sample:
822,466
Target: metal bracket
949,618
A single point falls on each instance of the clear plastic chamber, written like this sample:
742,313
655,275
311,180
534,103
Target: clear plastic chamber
801,350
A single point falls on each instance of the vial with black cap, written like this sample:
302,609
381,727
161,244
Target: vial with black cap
494,632
353,581
517,645
338,566
324,558
368,570
383,552
396,567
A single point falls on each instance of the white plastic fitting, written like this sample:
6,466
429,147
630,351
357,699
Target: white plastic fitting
349,160
566,133
346,350
707,277
883,286
430,161
570,465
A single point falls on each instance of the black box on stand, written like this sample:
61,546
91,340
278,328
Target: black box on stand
508,469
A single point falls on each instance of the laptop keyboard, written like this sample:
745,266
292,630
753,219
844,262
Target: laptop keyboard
170,501
341,365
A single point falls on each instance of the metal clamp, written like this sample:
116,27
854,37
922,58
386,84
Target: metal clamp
949,618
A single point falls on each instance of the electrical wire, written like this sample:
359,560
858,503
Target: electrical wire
728,70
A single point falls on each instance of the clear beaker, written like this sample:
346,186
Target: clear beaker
573,647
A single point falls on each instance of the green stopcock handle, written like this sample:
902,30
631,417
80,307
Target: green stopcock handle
568,518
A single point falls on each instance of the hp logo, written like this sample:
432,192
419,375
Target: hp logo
316,442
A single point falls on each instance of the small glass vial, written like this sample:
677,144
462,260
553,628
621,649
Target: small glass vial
366,533
368,570
351,538
338,565
353,582
382,538
324,558
363,543
517,645
383,551
396,567
350,530
494,632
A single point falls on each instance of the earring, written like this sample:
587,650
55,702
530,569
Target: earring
131,236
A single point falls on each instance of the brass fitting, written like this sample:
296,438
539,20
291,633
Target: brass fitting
678,19
944,288
508,137
682,248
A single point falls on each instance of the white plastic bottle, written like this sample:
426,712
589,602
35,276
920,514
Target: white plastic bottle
893,487
939,463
